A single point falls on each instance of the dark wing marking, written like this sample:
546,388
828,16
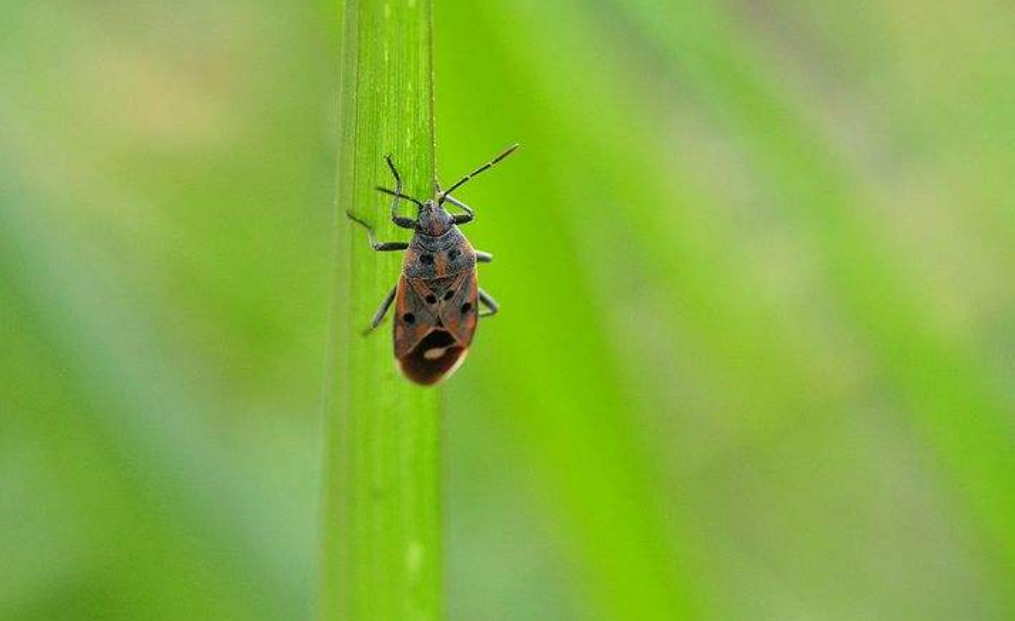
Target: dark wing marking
434,358
459,313
413,319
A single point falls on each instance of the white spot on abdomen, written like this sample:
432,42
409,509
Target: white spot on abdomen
435,353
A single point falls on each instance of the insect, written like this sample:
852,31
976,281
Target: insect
437,297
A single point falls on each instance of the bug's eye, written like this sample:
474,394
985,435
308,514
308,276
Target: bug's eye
409,318
466,307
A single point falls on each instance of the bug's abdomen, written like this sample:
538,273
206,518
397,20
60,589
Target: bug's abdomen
435,321
433,359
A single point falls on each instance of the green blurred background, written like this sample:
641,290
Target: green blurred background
755,358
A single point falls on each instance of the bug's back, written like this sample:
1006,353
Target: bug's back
436,306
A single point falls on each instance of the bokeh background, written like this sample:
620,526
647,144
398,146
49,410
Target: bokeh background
755,259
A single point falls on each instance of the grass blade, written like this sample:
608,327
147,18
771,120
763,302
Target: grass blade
382,540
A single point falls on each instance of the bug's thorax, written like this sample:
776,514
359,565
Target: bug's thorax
429,257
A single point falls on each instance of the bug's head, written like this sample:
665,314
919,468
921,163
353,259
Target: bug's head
433,219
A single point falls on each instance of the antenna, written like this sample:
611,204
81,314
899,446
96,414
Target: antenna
469,176
398,195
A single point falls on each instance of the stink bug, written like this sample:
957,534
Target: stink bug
436,298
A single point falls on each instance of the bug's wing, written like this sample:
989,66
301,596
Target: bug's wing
434,343
434,358
460,313
413,319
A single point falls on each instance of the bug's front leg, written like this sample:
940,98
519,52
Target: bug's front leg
382,311
376,245
490,303
402,221
465,218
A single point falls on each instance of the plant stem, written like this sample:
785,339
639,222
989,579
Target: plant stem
382,554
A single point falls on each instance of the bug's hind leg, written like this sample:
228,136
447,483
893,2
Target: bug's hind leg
491,304
382,311
483,257
376,245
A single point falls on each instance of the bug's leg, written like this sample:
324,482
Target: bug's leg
382,311
490,303
465,218
376,245
483,257
402,221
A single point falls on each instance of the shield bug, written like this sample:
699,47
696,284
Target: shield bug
437,298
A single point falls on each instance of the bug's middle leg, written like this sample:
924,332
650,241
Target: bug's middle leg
382,311
376,245
490,303
483,257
